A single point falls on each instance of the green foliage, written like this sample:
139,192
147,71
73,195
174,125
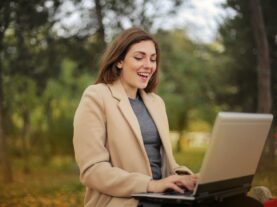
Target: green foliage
188,78
240,53
20,91
240,79
61,97
51,113
191,157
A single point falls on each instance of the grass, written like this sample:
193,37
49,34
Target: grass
191,157
53,185
56,184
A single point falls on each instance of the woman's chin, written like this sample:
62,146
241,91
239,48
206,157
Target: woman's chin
142,86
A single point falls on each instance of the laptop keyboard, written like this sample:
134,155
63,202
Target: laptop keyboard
173,192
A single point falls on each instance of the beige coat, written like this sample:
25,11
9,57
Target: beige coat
109,147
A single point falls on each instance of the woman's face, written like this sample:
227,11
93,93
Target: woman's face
137,67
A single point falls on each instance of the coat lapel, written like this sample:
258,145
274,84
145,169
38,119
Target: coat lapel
151,104
124,106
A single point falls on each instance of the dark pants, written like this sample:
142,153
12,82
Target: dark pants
236,201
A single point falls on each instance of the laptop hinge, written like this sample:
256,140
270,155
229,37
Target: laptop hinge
219,196
230,193
246,185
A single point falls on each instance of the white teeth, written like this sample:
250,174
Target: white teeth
143,74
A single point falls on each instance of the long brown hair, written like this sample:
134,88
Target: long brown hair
117,51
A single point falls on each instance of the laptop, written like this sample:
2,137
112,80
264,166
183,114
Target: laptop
230,161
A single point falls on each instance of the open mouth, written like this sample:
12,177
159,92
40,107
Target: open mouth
143,74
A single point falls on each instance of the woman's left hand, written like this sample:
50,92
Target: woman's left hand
187,181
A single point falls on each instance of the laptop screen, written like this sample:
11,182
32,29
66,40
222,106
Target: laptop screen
235,149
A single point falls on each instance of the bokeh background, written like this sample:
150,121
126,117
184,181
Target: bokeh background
217,55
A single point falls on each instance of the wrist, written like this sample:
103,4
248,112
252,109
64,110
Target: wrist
150,186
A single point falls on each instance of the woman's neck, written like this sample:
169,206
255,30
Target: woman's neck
130,91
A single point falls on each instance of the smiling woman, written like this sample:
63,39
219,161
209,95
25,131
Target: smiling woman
121,134
137,67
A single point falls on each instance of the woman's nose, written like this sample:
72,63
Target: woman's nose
148,63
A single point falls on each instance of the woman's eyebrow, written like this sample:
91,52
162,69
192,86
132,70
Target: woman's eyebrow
144,53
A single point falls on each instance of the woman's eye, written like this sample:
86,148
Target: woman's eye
153,60
138,58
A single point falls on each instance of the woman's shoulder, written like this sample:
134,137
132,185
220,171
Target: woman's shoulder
98,88
96,91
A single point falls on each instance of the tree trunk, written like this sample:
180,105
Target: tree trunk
6,167
4,157
263,59
100,30
46,150
26,144
179,142
257,23
180,127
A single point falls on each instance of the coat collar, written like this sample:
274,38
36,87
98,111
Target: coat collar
153,106
125,107
118,92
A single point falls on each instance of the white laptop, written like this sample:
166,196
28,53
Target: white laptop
231,159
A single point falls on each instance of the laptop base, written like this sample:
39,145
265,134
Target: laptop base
238,200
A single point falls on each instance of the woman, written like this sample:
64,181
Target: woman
121,133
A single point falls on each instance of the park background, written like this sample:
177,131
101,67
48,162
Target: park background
49,52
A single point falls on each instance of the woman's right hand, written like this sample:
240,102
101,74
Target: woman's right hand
174,182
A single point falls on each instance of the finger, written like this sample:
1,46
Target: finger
188,183
176,188
194,180
194,177
185,185
183,181
197,175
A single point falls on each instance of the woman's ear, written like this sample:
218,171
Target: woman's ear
119,64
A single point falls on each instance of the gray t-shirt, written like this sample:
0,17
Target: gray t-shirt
150,135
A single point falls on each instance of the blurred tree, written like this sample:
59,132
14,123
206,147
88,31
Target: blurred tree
263,65
270,18
4,24
185,67
23,52
239,89
242,46
21,104
100,33
63,94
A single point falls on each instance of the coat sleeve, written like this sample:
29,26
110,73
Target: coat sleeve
92,156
